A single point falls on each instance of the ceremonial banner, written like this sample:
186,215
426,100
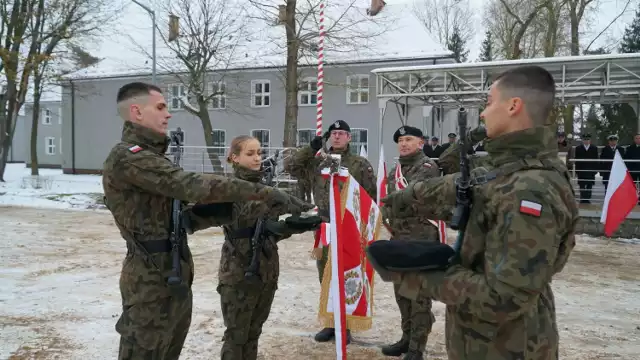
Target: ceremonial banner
357,224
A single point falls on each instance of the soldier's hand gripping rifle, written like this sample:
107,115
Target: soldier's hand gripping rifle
257,240
463,187
177,229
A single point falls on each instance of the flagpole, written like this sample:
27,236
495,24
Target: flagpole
320,80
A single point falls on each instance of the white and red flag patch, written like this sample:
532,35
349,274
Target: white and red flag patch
135,148
530,208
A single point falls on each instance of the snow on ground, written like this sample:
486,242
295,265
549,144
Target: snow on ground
51,189
59,296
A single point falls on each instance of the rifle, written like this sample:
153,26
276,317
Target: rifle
177,229
257,240
463,187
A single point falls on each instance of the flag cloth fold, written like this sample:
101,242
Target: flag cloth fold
621,196
357,225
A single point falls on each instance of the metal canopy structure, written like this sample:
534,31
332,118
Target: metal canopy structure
579,79
601,79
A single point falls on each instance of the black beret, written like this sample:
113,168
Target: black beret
561,133
452,135
435,138
406,130
612,137
586,137
340,125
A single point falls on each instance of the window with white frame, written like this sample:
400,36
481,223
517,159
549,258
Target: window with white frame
172,148
358,89
219,140
262,135
218,92
305,136
308,92
176,91
358,139
260,93
50,145
46,116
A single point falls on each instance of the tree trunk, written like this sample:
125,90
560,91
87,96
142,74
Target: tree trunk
575,51
205,119
291,78
8,128
35,116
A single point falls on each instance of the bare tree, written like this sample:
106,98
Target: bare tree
31,31
203,39
347,30
441,17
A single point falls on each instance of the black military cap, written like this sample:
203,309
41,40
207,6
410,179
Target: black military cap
586,137
340,125
406,130
435,138
612,137
560,133
452,135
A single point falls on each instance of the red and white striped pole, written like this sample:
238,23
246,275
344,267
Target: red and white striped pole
320,71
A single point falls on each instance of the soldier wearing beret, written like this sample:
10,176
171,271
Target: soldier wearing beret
606,158
416,316
305,161
452,140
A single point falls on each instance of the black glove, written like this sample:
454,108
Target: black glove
300,224
275,227
316,143
212,210
408,256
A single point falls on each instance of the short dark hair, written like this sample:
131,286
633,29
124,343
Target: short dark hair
534,85
134,89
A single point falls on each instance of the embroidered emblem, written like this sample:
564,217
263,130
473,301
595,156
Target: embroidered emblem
402,131
530,208
337,125
135,148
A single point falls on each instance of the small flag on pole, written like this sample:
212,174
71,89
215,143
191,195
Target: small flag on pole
621,196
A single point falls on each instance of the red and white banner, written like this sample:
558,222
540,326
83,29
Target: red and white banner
400,184
621,196
356,222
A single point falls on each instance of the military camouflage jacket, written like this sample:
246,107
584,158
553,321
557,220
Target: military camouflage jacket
304,161
140,183
236,251
414,167
500,305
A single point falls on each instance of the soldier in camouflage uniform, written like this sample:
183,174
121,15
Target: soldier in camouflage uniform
416,315
500,305
139,184
245,304
305,160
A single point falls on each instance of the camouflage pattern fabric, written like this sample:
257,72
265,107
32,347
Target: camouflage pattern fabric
499,299
246,305
415,315
139,184
304,161
449,160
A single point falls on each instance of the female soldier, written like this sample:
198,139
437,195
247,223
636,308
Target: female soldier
246,304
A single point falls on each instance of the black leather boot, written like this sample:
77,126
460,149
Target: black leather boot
396,349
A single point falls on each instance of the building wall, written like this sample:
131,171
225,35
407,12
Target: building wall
94,123
49,135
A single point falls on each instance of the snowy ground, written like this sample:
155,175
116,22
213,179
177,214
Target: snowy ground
59,295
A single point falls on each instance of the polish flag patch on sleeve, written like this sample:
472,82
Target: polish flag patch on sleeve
530,208
135,148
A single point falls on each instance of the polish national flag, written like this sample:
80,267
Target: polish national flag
381,182
621,196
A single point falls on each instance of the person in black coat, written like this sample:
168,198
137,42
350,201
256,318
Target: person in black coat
633,153
434,150
586,170
606,158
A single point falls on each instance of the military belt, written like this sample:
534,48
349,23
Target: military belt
240,233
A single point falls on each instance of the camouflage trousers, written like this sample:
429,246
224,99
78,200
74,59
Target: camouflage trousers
416,320
155,320
245,308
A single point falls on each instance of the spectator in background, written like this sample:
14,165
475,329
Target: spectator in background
632,153
606,158
563,146
586,170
